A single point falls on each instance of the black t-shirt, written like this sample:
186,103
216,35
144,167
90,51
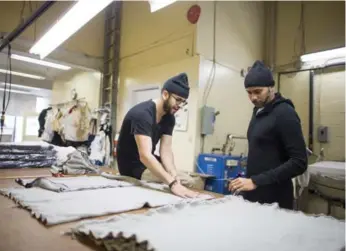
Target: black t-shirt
140,120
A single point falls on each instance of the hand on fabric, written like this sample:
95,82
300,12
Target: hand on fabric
174,174
182,191
241,184
177,179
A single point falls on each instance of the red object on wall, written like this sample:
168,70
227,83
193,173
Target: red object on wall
193,14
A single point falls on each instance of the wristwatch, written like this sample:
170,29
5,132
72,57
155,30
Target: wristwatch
172,184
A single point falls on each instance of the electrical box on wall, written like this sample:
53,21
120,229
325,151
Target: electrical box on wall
208,120
322,134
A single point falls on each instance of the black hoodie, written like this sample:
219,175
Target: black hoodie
277,152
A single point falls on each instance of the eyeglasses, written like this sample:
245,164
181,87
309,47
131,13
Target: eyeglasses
181,102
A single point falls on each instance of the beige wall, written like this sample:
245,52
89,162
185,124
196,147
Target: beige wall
152,39
295,86
88,40
87,85
324,23
328,107
329,110
239,38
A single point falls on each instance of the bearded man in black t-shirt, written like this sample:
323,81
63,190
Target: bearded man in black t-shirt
144,126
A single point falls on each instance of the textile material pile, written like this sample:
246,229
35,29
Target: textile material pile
105,180
328,177
66,126
60,200
190,180
230,223
73,124
326,190
14,155
101,147
69,184
77,163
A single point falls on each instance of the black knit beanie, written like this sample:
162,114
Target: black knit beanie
259,76
178,85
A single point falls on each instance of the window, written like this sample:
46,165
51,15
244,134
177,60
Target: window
31,126
9,126
41,103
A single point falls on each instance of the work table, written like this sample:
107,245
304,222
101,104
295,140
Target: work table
21,232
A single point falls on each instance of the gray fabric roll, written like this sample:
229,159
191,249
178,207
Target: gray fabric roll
70,184
223,224
54,208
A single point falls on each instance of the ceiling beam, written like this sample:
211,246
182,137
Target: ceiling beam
22,27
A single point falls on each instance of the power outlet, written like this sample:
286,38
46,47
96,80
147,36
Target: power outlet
322,134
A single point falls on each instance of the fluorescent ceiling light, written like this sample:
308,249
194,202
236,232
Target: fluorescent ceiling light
40,62
339,53
21,74
23,87
36,94
156,5
80,13
17,91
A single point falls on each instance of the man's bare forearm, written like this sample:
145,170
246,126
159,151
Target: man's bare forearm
168,163
156,168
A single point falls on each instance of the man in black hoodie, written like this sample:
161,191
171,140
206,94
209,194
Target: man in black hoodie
277,151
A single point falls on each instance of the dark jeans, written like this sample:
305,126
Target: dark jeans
278,193
135,170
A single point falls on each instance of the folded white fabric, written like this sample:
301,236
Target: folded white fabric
54,208
69,184
230,223
303,182
333,169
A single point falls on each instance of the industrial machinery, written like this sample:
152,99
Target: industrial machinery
221,165
222,168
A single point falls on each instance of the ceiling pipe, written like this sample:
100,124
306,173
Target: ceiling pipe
20,28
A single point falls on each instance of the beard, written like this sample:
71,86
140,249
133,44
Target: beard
168,108
261,104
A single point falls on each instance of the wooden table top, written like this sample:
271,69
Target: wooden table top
21,232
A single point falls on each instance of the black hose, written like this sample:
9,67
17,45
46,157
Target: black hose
8,76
